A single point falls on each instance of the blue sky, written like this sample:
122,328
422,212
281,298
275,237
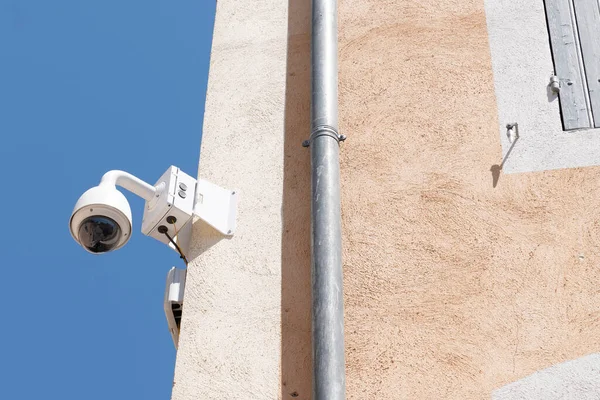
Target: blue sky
85,87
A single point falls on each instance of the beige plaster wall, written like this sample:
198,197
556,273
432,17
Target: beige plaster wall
229,345
459,280
453,287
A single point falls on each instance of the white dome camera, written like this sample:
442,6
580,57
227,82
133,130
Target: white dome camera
101,220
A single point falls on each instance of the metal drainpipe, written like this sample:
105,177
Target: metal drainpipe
329,381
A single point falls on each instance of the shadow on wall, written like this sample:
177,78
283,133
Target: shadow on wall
296,353
577,380
496,169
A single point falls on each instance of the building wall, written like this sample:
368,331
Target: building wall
461,281
229,345
456,284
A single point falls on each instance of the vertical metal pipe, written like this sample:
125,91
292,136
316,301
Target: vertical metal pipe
329,382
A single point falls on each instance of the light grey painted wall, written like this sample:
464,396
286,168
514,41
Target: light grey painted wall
522,64
572,380
229,346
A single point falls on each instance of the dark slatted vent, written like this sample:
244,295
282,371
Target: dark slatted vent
574,28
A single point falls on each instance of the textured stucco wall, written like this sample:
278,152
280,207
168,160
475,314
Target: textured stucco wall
229,346
454,288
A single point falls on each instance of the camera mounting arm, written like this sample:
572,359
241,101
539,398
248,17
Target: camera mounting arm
129,182
213,204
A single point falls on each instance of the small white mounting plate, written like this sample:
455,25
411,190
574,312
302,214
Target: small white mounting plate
216,206
173,303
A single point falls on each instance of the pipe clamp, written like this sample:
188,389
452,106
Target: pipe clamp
324,130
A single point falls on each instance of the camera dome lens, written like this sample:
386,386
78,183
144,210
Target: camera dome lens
99,234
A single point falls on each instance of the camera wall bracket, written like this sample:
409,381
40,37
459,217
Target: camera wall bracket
216,206
179,199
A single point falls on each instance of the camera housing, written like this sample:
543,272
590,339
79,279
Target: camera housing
171,208
101,220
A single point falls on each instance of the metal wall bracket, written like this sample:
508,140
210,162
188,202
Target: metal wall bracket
216,206
512,131
554,84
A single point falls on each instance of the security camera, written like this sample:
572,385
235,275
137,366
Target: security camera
101,220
